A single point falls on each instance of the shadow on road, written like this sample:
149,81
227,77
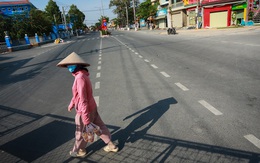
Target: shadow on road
25,138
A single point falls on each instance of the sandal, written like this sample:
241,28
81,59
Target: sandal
80,153
109,149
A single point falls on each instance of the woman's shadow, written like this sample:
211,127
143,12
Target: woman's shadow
141,124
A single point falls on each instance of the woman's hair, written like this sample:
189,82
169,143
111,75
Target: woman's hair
80,67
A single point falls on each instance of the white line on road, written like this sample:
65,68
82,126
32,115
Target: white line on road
210,107
165,74
154,66
99,62
97,100
100,55
98,75
97,85
140,56
254,140
99,58
133,51
182,87
146,60
99,67
136,53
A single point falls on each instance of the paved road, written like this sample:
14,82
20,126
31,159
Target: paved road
183,98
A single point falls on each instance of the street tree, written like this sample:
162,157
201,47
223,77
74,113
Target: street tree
76,17
120,9
53,12
146,9
5,25
39,23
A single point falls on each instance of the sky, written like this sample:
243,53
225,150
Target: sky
91,8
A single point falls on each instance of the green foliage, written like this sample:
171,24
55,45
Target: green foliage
146,9
76,17
19,25
105,32
53,12
5,25
120,10
250,15
39,22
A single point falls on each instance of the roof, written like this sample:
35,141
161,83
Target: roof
14,2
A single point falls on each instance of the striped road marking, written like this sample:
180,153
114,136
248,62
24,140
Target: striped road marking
97,100
99,67
182,87
98,75
97,85
253,140
154,66
99,62
210,107
165,74
146,60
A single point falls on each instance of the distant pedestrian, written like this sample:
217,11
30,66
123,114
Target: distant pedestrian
84,104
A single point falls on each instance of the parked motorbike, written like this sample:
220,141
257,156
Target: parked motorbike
171,31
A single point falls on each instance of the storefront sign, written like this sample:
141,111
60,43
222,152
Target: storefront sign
239,7
162,12
142,22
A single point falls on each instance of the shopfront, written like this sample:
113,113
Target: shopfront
217,16
238,13
161,18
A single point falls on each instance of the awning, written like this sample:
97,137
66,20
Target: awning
160,17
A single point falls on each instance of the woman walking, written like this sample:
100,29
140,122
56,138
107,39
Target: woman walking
84,104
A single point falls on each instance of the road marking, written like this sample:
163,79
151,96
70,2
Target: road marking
146,60
133,51
99,62
253,140
182,87
210,107
154,66
97,100
140,56
97,85
99,58
165,74
98,75
136,53
99,67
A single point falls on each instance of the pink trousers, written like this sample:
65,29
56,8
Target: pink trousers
95,118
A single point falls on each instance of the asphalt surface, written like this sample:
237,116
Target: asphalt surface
190,97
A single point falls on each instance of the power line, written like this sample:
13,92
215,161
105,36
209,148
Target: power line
95,10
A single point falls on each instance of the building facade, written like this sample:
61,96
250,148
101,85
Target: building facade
206,13
12,8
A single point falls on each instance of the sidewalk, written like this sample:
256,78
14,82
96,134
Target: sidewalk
200,32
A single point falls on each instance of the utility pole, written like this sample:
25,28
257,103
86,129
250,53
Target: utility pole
134,15
169,14
126,10
65,22
102,8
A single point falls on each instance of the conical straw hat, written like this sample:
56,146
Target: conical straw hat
72,59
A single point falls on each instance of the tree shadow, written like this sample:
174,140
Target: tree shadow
141,124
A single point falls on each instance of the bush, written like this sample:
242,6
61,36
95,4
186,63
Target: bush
105,32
